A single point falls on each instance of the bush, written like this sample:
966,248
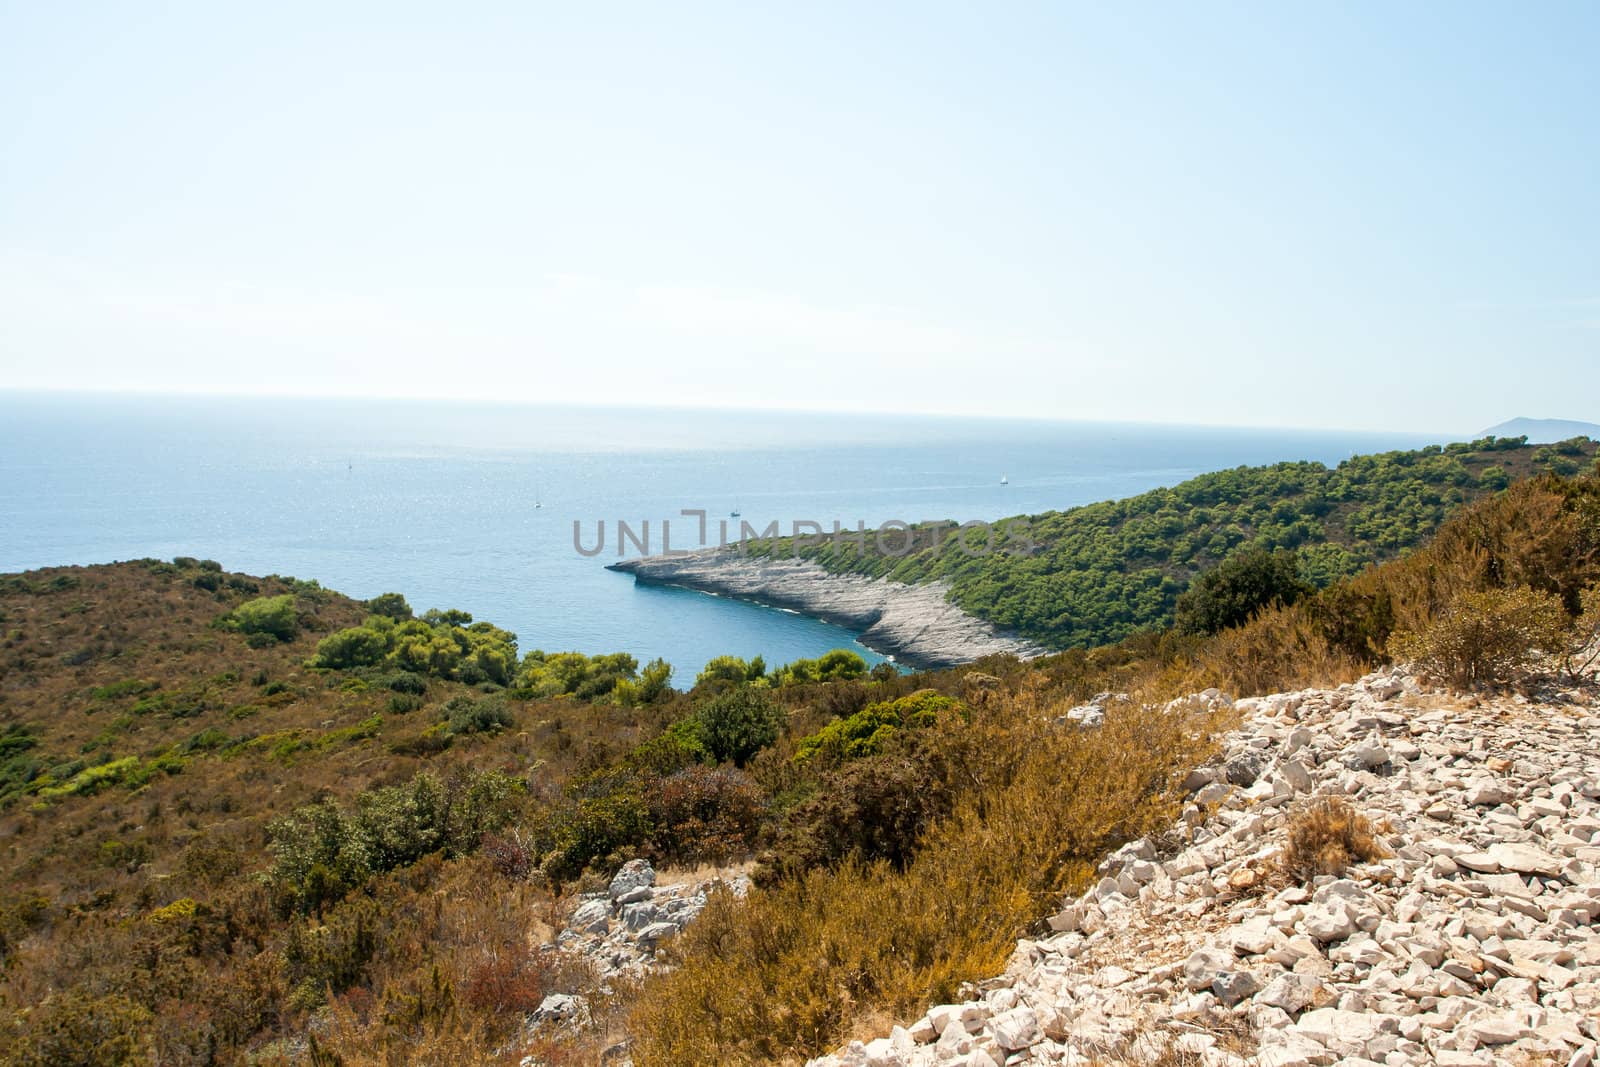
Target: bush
322,851
1486,637
442,644
651,686
1583,645
390,606
272,617
469,715
838,665
351,648
574,674
1327,838
731,670
1238,588
736,725
594,828
872,809
866,732
72,1029
704,815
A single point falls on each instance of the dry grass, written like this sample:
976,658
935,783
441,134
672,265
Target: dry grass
796,969
1327,837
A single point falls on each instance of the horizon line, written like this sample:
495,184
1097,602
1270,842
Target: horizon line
862,413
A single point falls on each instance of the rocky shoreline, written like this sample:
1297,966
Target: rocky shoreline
915,624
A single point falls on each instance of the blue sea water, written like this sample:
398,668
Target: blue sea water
437,500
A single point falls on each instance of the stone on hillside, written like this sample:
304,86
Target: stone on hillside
1087,715
1525,859
1293,993
1328,922
1232,988
592,916
1204,966
1243,769
1016,1029
1367,757
656,931
634,873
1489,795
1297,775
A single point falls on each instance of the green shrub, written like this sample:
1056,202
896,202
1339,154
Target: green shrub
404,703
651,686
391,606
125,688
736,725
272,617
444,644
1485,637
593,828
876,808
1239,587
476,715
866,732
838,665
351,648
574,674
731,670
322,851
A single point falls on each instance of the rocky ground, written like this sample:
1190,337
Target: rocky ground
617,931
913,623
1471,942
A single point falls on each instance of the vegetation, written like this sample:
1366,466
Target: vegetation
1097,574
868,731
443,644
220,845
785,973
1485,636
1238,588
1326,838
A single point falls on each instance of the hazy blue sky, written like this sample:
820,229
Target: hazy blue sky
1369,215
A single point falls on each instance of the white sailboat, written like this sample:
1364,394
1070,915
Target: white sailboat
1004,480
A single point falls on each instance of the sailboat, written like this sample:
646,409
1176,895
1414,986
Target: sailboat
1004,480
536,501
734,514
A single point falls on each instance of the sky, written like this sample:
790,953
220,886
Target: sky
1362,215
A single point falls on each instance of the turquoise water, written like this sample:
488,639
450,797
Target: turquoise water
437,500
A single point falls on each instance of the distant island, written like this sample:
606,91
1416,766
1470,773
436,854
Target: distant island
1544,431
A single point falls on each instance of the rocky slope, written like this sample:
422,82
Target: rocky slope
913,623
1472,942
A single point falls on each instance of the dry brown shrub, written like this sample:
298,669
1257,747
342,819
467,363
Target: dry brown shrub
793,969
1485,637
1327,837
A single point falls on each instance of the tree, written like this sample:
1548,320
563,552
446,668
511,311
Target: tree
1238,588
738,724
270,616
390,605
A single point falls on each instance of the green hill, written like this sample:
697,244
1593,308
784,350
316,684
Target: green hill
1096,574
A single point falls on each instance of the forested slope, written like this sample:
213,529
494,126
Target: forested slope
1092,575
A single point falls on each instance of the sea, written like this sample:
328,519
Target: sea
485,507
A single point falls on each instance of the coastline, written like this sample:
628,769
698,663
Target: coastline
915,624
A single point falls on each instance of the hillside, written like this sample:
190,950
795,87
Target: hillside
1544,431
1093,575
242,815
